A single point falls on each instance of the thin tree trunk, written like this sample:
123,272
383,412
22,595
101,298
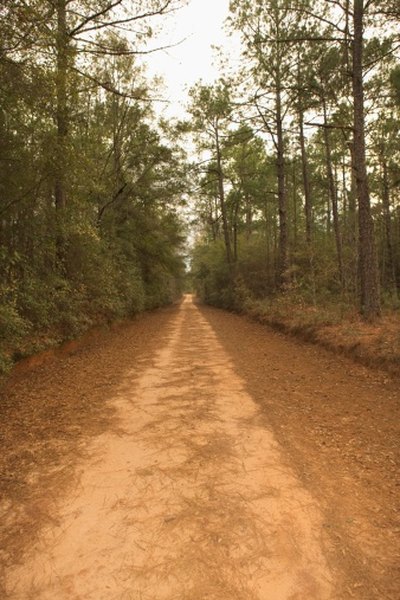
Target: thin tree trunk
306,180
368,267
333,197
61,107
283,262
249,217
268,239
391,267
217,217
307,205
221,193
352,221
235,215
294,197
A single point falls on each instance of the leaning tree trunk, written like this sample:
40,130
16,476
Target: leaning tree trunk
368,266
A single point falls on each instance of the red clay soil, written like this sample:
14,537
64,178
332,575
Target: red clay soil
375,344
196,455
339,423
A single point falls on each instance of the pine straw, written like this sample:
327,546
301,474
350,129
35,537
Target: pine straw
213,523
337,329
339,424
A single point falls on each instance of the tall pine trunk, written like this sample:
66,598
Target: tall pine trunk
391,266
61,106
283,261
332,187
306,179
368,265
307,204
60,155
221,194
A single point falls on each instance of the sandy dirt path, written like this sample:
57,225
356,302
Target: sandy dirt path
189,497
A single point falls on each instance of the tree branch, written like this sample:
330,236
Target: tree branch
151,13
106,85
110,202
327,126
93,17
35,189
109,51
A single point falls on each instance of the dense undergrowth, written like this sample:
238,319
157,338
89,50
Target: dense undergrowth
311,310
44,312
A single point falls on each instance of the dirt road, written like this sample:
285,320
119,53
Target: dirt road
192,491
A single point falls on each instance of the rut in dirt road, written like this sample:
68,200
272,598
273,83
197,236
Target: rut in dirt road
189,499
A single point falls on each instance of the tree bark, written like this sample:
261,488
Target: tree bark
282,201
352,222
294,198
368,266
333,197
306,180
307,205
61,106
249,217
221,193
391,266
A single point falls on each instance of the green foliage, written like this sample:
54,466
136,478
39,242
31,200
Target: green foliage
13,327
83,131
211,277
395,83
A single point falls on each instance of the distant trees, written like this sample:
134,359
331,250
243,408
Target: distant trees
321,80
90,185
210,109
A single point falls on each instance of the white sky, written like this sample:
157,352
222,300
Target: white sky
200,24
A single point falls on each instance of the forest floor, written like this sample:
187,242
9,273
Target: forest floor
196,455
337,328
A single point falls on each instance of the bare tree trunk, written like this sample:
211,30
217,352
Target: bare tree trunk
61,107
391,267
221,193
294,198
249,217
306,180
60,155
216,217
307,205
368,267
333,196
283,262
352,222
235,215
